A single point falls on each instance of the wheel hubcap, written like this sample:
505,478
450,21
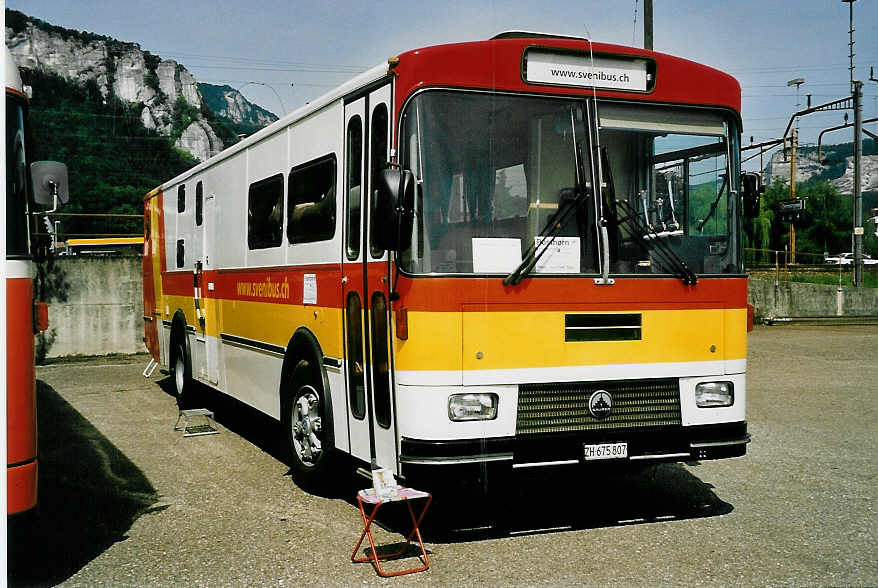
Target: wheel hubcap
307,426
178,373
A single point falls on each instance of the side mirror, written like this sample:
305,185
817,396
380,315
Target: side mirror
751,190
49,183
393,209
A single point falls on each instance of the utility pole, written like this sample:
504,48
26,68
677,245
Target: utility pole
647,24
856,96
857,188
851,42
794,143
797,82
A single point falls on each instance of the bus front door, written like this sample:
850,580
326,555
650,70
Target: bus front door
208,324
368,359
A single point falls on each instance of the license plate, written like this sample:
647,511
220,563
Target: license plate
605,451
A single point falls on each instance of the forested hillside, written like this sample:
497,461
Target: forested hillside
112,159
123,119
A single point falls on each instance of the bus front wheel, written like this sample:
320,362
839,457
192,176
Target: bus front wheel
306,431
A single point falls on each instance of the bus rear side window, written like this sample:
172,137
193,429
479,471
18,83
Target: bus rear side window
311,213
199,204
181,253
265,213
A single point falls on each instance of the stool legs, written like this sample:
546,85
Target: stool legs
374,557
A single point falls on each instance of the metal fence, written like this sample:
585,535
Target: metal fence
817,268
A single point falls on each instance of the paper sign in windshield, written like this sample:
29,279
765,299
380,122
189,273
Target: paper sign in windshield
544,67
495,256
561,256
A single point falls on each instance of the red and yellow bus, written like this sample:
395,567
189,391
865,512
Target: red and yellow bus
519,253
26,186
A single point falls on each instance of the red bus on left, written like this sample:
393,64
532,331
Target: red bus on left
29,186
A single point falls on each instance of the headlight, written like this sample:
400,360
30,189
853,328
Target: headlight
472,407
714,394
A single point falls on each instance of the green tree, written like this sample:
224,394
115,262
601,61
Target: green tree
826,226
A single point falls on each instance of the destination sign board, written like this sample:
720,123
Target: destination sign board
568,69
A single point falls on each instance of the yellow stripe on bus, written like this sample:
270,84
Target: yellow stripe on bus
514,340
264,321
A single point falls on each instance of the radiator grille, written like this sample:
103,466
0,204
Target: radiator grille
561,408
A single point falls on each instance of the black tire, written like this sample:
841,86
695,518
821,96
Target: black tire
181,371
308,438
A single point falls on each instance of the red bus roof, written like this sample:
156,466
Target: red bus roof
13,79
497,64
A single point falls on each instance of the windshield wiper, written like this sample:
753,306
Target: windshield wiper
715,203
570,201
666,256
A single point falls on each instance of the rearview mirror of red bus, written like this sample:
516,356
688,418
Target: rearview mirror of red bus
49,180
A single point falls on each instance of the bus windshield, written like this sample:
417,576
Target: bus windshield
669,197
16,181
494,171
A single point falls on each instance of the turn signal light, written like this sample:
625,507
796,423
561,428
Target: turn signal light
402,323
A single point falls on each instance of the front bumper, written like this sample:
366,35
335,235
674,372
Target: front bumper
666,444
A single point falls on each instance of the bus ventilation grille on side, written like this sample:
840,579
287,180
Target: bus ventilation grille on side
562,408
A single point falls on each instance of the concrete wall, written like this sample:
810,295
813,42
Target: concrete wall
95,306
799,300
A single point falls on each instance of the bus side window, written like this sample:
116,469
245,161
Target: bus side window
354,312
380,360
378,153
311,212
354,185
265,213
181,198
181,253
199,204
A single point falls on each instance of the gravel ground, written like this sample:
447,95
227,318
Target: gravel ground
126,501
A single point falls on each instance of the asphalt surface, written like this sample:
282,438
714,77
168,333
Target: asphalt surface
127,501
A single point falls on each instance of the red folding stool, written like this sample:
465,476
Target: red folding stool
406,495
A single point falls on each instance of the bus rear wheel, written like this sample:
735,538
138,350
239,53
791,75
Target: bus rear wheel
181,373
311,454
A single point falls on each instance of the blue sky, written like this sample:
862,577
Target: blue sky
316,45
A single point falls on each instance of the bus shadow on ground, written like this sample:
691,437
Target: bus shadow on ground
562,501
259,429
241,419
90,494
568,500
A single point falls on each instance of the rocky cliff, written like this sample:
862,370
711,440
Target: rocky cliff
166,91
230,104
868,175
835,167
